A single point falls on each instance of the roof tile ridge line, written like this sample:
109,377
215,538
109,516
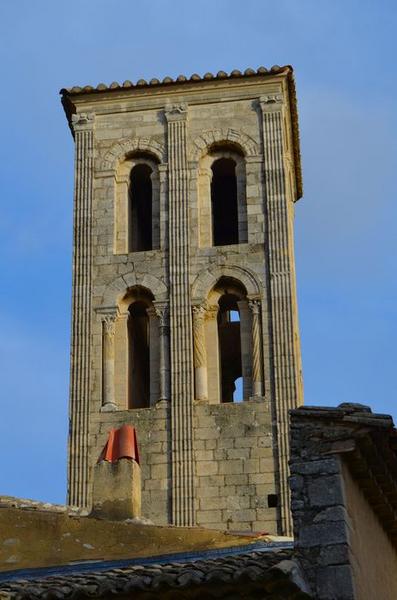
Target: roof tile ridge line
103,565
180,79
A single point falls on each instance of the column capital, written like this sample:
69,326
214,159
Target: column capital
211,311
271,102
199,311
254,305
83,122
161,310
108,316
205,171
109,324
176,112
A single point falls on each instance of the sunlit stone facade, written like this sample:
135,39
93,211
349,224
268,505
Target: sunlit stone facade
184,302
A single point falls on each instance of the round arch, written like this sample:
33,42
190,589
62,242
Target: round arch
115,291
208,278
233,137
121,150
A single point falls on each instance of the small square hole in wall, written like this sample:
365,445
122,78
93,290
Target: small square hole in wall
272,500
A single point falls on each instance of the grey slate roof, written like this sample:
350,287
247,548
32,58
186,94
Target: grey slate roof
264,574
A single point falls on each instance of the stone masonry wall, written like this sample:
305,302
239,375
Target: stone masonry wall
234,466
318,508
233,463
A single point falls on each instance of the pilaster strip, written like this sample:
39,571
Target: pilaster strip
180,319
78,492
286,358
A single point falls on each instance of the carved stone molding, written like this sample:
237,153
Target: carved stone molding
120,150
207,278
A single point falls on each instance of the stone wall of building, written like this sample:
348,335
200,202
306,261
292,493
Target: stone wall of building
233,463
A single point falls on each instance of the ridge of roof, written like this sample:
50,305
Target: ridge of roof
180,79
348,412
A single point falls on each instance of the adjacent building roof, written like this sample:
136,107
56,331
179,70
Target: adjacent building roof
68,94
368,443
243,573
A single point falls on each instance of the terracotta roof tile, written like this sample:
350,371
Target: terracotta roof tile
101,87
121,443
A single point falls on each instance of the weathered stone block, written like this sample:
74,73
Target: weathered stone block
325,491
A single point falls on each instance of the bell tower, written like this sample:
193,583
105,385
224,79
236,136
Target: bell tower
184,303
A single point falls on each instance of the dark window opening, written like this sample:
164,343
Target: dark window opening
272,500
224,202
140,208
139,357
229,349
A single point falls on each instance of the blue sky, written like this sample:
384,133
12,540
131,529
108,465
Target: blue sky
344,56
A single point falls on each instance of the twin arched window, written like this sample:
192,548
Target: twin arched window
222,209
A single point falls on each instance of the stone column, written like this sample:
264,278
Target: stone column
108,330
246,347
283,305
122,226
183,508
154,356
213,357
78,464
204,207
257,385
162,311
200,354
122,373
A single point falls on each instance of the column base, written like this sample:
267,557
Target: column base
109,407
256,398
201,401
162,403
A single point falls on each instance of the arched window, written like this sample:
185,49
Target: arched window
229,340
137,205
224,202
222,206
139,354
140,206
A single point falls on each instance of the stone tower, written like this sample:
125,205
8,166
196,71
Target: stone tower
184,304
